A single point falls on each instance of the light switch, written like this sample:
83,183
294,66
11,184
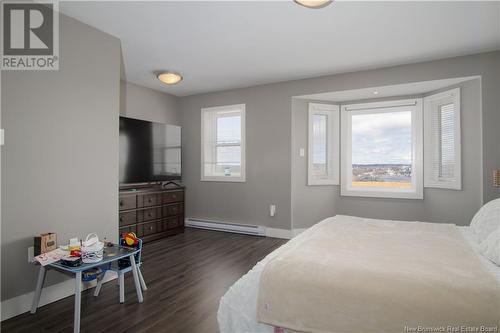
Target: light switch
272,210
302,152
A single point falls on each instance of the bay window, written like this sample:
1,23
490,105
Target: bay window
382,149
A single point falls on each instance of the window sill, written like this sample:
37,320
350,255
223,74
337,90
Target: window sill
416,195
223,179
322,183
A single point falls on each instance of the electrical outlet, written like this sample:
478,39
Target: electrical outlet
31,254
272,210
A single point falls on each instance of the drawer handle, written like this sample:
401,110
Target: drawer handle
174,196
150,228
121,218
150,214
121,203
150,200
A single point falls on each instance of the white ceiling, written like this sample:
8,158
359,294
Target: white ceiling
223,45
407,89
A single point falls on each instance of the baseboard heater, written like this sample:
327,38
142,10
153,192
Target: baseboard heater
224,226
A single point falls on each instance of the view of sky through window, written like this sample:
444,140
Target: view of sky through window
382,149
228,138
319,153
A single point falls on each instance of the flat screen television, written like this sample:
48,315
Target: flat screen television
149,152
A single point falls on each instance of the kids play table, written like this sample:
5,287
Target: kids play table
110,255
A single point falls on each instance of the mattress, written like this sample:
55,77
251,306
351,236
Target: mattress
238,307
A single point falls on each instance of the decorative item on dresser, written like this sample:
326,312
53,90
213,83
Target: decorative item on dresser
152,212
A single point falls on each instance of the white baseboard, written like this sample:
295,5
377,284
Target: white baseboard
20,304
224,226
241,228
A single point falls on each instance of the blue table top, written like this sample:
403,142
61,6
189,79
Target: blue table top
111,253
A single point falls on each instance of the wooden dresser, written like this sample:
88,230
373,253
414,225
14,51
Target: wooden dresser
151,213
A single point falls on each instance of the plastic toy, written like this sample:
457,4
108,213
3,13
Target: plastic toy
130,239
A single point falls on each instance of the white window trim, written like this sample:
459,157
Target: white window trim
450,96
417,146
233,179
333,140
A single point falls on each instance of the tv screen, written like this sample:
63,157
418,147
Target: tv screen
149,152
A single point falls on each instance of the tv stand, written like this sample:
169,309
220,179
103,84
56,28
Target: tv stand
151,212
165,184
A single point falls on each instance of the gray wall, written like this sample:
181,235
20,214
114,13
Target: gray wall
268,159
147,104
314,203
60,160
269,146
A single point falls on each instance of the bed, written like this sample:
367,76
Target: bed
239,308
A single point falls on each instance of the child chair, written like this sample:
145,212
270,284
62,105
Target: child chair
122,268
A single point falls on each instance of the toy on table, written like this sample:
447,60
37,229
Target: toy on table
129,239
74,259
92,249
71,261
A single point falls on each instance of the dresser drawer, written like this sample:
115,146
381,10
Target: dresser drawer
174,196
147,228
160,226
127,218
148,214
127,202
131,228
172,210
148,200
173,222
151,212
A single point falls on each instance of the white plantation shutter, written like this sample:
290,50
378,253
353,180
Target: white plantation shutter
446,119
442,140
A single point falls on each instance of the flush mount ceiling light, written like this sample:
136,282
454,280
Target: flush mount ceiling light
314,3
170,78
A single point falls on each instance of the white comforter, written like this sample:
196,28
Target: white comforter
237,311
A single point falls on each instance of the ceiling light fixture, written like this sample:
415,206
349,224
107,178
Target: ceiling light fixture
314,3
375,92
170,78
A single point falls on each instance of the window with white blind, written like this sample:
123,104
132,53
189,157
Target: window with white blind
382,149
223,143
323,157
442,140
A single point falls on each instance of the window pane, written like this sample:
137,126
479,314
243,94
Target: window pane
230,155
319,153
228,129
382,150
447,140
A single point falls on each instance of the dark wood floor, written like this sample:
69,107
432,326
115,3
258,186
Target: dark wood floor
186,275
